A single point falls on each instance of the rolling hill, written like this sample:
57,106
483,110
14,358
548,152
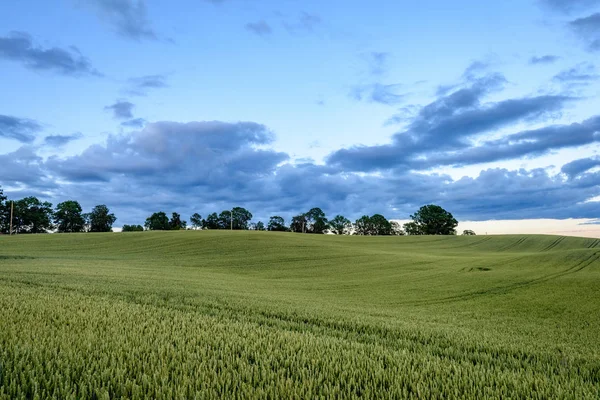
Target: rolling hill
218,314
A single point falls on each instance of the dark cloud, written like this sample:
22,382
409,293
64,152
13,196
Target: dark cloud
61,140
21,129
134,123
196,153
18,46
588,29
121,109
128,17
441,133
527,143
378,93
24,167
212,166
475,70
260,28
580,74
139,86
305,23
547,59
575,168
568,6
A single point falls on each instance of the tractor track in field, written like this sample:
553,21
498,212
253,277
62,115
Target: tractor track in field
581,265
513,245
554,243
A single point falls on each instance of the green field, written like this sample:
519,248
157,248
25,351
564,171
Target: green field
243,315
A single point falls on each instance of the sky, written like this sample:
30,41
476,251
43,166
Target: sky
488,109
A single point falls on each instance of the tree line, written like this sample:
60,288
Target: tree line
30,215
428,220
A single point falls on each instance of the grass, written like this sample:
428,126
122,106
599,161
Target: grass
277,315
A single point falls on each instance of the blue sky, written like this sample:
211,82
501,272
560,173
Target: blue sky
488,109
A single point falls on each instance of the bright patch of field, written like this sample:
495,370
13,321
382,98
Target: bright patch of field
280,315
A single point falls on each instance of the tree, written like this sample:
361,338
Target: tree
363,226
176,223
212,221
433,220
276,224
32,216
68,217
4,213
469,232
241,218
396,228
298,223
260,226
412,229
196,221
101,219
225,221
132,228
157,222
380,225
316,221
340,225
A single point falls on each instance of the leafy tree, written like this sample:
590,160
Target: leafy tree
132,228
412,229
298,223
260,226
197,221
316,221
212,221
241,218
68,217
4,212
469,232
32,216
157,222
225,221
396,228
340,225
380,225
101,219
434,220
277,224
176,223
363,226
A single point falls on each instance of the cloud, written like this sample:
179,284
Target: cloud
547,59
306,23
196,153
128,17
134,123
209,166
139,86
378,62
588,29
121,109
442,132
24,166
580,74
20,129
18,46
568,6
61,140
378,93
260,28
576,167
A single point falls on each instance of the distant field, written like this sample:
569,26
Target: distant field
280,315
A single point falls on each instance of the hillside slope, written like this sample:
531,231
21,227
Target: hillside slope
258,314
